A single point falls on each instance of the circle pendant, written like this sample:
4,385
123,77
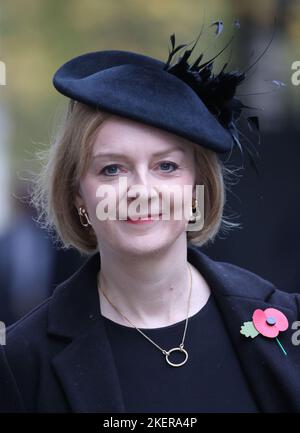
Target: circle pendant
173,350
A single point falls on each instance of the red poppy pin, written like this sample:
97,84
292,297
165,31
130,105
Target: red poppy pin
268,323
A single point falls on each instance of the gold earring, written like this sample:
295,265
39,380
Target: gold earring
83,216
194,205
194,208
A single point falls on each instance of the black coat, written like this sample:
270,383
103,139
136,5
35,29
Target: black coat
58,358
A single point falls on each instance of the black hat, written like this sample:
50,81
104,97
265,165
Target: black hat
188,100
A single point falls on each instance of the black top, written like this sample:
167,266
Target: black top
210,381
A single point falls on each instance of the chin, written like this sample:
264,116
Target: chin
148,244
141,241
142,245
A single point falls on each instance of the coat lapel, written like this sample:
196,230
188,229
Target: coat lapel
88,374
272,376
86,368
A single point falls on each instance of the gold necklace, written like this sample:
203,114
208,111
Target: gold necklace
165,352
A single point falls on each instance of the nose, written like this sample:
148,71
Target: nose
141,186
140,175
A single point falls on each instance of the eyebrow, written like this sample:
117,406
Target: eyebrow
122,155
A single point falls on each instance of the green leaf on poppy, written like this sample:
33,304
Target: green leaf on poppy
249,330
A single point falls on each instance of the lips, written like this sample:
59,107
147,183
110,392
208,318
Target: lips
144,218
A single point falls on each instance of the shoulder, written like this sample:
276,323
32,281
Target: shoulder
36,317
242,275
10,398
29,330
253,285
19,360
34,342
45,329
228,279
23,352
26,359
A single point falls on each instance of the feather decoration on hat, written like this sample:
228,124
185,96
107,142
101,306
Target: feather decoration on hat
217,91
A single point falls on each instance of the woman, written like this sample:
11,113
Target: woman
149,323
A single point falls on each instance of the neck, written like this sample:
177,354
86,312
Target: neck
151,290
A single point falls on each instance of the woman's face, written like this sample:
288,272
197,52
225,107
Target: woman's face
141,155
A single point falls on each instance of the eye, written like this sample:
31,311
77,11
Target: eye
110,170
166,165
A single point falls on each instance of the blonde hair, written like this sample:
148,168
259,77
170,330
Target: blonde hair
55,186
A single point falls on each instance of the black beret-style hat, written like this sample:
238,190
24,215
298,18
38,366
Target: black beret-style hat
188,100
137,87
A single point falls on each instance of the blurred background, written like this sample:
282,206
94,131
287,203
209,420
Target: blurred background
37,36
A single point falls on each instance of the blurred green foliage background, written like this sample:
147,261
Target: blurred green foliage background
37,36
